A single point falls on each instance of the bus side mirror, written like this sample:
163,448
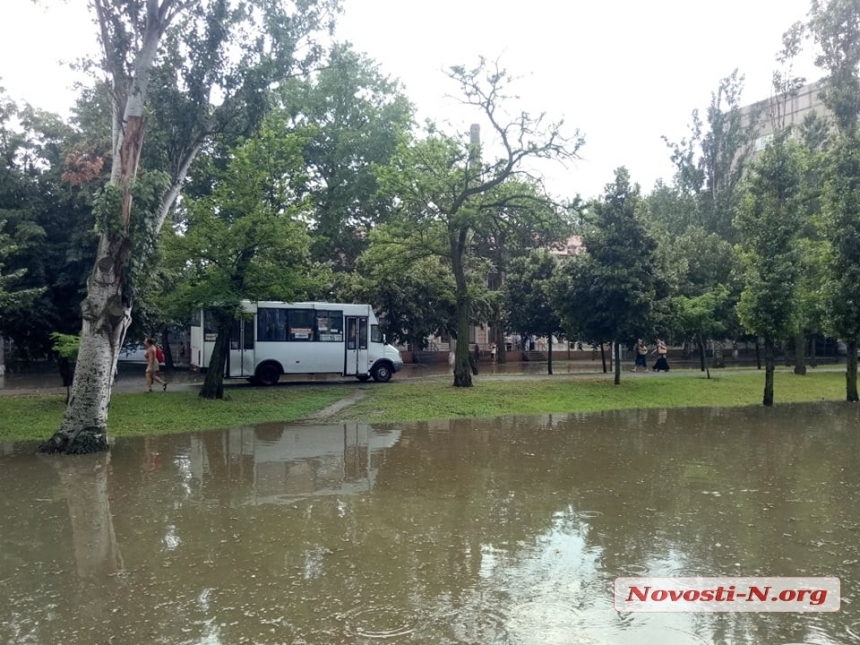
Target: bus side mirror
384,340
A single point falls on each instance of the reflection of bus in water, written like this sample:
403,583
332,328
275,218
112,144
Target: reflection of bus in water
299,338
281,464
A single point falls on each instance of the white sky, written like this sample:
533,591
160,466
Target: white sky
624,72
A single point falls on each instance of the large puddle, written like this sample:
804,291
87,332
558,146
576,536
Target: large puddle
507,531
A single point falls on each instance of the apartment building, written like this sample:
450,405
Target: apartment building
783,111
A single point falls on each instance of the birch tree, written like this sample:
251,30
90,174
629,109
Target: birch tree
191,54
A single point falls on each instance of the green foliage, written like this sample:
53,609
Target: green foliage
245,240
446,193
841,201
48,223
415,292
354,117
769,222
835,28
609,294
703,315
712,160
107,210
528,295
66,345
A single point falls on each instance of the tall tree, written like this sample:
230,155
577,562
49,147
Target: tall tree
610,295
835,28
769,222
412,289
190,53
354,117
710,162
528,298
441,183
245,240
508,232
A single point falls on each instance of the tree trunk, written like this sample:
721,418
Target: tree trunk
462,371
799,354
718,354
851,373
213,384
702,360
501,347
165,346
94,544
603,358
769,361
105,320
549,355
617,346
107,308
757,354
67,373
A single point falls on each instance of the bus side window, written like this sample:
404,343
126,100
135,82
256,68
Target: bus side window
351,333
330,326
362,333
375,334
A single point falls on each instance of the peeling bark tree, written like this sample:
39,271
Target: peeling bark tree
239,54
107,308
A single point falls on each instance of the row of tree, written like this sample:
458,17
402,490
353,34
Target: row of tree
306,179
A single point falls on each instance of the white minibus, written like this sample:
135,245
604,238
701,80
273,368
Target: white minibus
299,338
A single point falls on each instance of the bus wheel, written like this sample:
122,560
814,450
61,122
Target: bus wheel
363,377
268,374
381,373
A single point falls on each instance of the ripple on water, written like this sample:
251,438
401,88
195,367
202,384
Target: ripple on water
478,625
379,622
548,623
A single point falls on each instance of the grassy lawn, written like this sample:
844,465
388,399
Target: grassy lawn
436,399
39,416
36,417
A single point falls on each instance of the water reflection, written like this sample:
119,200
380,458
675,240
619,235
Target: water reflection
503,531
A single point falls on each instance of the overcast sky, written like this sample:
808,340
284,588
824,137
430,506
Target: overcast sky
623,72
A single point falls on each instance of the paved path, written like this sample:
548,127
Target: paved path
131,377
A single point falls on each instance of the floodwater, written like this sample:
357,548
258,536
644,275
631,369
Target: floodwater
507,531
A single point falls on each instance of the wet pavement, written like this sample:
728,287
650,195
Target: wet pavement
130,376
507,531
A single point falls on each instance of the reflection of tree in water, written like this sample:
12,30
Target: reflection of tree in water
94,544
471,525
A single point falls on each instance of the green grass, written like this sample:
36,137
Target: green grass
37,417
416,401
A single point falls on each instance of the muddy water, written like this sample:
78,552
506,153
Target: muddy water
487,532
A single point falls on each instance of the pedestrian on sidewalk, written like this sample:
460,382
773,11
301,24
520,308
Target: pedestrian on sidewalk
152,366
662,364
641,356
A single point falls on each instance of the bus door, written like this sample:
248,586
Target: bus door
240,363
356,346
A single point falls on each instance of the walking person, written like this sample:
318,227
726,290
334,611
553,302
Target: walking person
641,355
662,365
152,366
